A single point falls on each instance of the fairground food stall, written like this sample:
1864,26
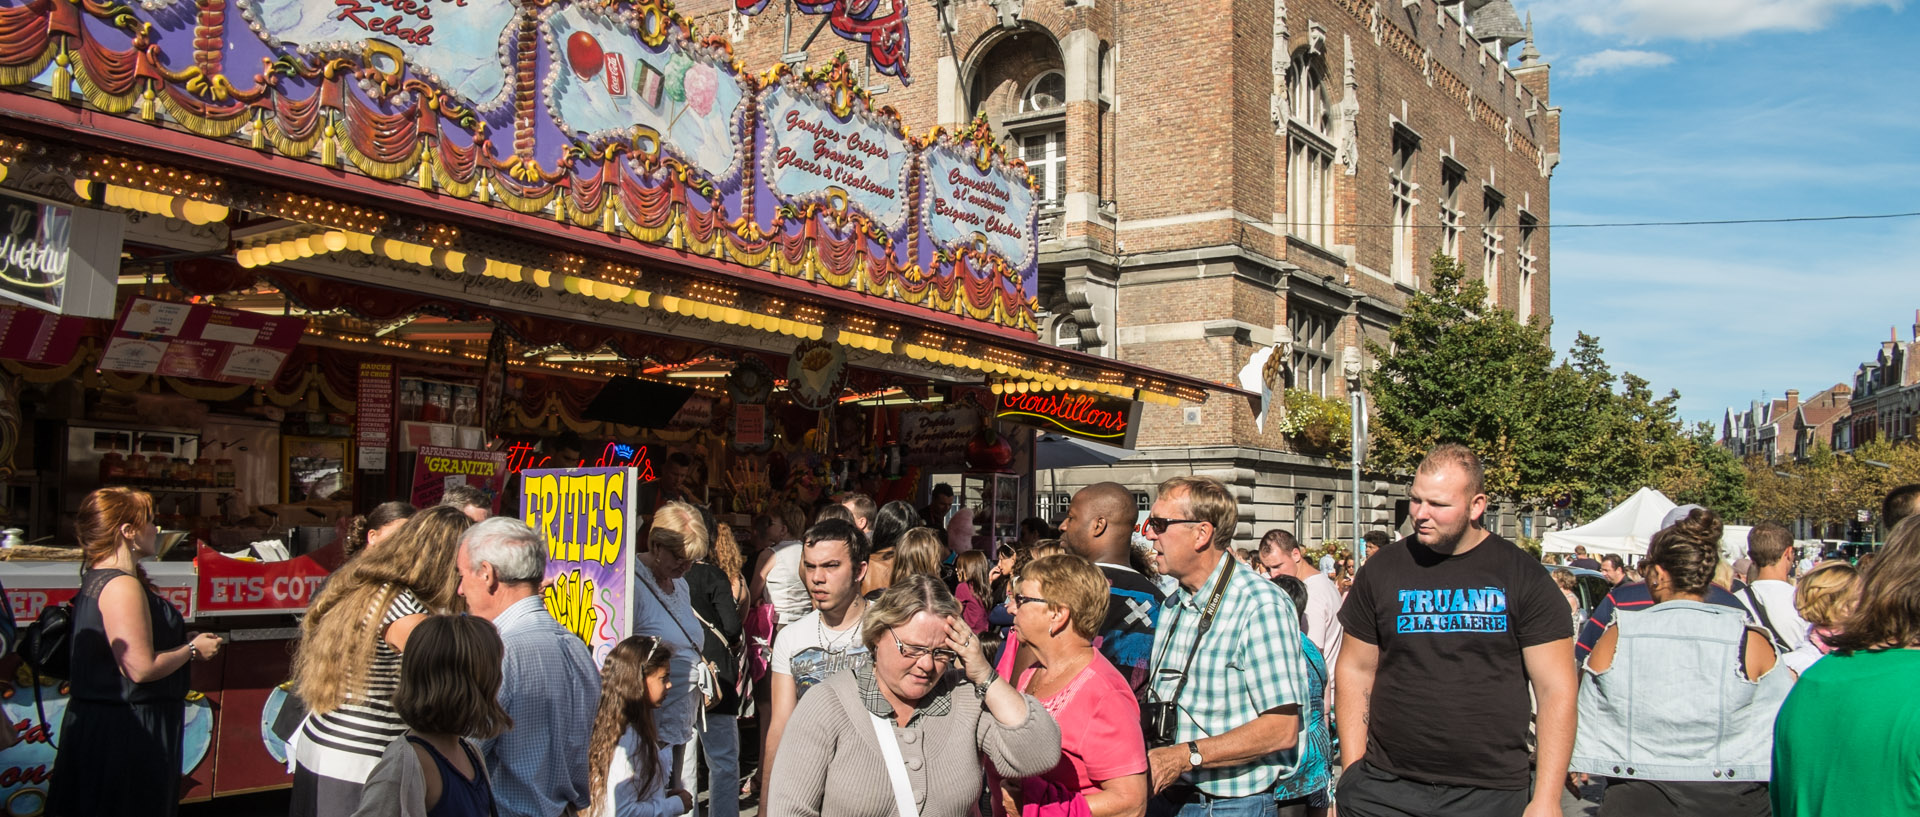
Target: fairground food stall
279,267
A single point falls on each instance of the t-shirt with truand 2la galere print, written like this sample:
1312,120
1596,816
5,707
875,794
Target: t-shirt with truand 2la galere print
810,653
1450,704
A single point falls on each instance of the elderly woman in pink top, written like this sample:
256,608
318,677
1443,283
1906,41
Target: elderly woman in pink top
1059,605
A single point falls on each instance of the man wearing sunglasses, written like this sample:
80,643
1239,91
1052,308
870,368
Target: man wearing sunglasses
1444,634
1235,680
1099,528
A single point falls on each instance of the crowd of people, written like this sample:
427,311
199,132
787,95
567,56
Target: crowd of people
867,661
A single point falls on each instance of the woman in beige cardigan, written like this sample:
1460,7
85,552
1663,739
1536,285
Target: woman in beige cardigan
904,737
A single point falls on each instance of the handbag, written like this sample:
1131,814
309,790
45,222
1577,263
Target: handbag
708,681
46,647
742,684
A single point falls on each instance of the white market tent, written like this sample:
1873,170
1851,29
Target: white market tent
1628,528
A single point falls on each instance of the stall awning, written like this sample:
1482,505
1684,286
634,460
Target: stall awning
298,201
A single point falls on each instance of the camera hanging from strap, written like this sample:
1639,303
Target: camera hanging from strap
1206,622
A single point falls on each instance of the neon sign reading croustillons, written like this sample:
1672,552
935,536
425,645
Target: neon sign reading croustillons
521,456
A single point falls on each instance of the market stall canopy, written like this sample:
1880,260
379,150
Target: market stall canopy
1628,529
1060,451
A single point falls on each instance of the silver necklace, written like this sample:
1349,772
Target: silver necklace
832,645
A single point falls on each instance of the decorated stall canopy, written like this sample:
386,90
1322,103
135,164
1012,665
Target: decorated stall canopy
603,114
588,518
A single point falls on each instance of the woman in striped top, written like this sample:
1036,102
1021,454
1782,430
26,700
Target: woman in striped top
348,662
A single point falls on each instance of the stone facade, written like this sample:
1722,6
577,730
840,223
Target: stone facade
1227,175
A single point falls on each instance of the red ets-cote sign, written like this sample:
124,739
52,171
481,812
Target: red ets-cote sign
1109,420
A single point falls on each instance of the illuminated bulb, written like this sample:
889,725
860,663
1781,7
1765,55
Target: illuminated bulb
913,352
570,284
1020,387
84,188
642,297
700,309
516,275
275,254
998,386
670,303
211,212
318,243
334,240
389,248
454,261
542,278
587,287
245,257
297,248
816,332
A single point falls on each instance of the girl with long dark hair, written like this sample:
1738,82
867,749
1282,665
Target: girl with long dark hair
629,765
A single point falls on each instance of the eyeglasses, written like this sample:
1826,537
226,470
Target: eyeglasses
915,652
1019,600
1159,524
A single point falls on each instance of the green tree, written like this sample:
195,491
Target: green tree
1462,372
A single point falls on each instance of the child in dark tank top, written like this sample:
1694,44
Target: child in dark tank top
448,696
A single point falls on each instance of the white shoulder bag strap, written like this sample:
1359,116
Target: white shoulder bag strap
896,767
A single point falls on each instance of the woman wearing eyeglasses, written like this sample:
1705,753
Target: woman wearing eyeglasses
1060,604
905,736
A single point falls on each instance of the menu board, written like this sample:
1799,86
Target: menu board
373,418
200,342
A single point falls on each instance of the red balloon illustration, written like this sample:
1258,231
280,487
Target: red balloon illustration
584,54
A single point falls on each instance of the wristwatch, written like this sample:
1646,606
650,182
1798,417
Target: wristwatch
1193,754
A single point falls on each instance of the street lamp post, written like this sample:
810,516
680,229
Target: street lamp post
1356,441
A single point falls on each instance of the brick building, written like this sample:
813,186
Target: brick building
1886,394
1234,175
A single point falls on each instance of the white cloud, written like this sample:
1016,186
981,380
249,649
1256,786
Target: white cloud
1616,59
1642,20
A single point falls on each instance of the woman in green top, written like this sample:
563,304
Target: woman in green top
1847,741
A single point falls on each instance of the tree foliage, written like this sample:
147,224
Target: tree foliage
1570,433
1827,488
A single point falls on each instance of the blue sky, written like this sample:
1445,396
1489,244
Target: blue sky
1717,109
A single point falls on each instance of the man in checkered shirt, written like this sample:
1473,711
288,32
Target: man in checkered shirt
1237,717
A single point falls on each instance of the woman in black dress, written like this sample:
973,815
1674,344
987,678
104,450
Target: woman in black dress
119,745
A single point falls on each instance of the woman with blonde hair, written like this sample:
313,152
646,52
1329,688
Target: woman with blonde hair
920,552
843,750
663,607
1822,597
119,748
1060,605
348,661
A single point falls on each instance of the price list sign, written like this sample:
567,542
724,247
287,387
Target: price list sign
200,342
373,420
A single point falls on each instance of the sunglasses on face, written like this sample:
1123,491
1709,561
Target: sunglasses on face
1020,600
1159,524
915,652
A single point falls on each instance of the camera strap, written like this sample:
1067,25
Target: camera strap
1206,623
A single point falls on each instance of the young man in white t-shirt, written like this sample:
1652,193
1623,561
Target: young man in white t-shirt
1770,546
833,560
1281,554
